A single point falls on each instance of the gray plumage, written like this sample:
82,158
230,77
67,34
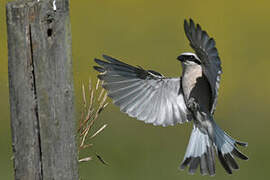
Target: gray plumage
146,95
149,96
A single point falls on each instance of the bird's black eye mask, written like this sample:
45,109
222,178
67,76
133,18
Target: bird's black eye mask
192,58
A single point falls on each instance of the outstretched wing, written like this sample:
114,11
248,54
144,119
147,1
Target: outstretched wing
204,46
144,94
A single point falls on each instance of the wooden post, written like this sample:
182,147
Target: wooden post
41,90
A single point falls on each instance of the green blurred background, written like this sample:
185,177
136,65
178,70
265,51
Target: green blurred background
150,34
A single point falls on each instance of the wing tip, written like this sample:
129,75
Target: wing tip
191,22
188,19
244,144
99,69
98,61
106,56
185,22
239,154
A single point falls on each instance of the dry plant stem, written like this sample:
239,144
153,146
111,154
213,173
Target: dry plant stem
100,95
91,99
97,84
90,108
98,131
84,105
86,159
89,85
101,159
84,96
90,114
86,146
84,136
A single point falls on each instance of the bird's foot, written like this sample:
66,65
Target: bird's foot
192,104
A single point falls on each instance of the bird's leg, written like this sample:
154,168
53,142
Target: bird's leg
193,105
202,119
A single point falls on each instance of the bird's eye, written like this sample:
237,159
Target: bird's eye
191,57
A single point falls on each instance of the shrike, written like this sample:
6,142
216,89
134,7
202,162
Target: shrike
153,98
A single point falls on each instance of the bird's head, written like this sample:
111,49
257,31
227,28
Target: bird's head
189,58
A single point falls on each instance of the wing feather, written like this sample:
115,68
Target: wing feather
144,94
204,46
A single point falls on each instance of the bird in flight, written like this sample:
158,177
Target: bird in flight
153,98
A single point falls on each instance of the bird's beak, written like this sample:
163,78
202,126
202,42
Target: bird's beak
181,58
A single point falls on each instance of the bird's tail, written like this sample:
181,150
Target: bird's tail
201,148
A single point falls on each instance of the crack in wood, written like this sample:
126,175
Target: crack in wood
35,97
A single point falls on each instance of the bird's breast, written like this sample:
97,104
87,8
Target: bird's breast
189,78
196,85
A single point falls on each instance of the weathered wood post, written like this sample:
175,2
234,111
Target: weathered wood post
41,90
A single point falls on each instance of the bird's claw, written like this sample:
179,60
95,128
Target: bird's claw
193,104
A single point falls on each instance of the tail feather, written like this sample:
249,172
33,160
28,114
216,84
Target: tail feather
193,165
204,168
227,145
229,158
211,160
224,162
200,151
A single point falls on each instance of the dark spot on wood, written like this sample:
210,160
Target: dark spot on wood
67,92
49,18
49,32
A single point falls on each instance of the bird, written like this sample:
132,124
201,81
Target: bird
164,101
